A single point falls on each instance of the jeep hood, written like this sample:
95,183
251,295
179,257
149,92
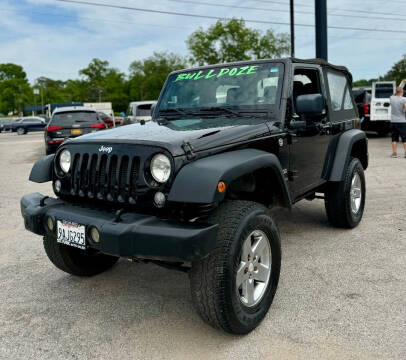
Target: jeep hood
172,137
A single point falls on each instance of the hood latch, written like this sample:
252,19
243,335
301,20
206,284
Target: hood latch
188,149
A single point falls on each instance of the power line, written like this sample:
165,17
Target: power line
281,11
222,18
336,9
123,22
75,17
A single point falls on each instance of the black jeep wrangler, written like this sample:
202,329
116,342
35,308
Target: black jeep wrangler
192,188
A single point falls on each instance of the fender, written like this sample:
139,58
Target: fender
340,151
197,182
42,170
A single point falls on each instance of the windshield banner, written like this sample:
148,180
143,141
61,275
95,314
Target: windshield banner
210,73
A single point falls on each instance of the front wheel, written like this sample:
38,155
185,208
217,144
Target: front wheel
76,261
20,131
345,200
234,286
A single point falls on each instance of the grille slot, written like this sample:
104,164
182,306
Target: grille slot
105,177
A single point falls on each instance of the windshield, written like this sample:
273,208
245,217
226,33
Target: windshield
254,87
70,118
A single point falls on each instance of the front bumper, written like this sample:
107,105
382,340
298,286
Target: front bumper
133,235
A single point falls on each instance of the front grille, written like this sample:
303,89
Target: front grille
104,177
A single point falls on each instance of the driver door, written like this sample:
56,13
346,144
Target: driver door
310,136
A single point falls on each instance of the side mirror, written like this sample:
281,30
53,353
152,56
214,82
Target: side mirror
312,104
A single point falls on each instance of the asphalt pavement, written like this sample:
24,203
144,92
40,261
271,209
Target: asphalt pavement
342,293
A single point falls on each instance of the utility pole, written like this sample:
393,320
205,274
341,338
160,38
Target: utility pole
36,92
321,29
42,99
292,28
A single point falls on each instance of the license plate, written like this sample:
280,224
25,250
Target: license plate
76,131
72,234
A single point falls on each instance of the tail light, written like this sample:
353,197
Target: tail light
366,109
98,126
53,128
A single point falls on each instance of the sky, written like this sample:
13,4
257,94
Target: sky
56,39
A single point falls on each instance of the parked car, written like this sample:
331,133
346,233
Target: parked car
109,121
26,124
191,189
139,110
5,124
70,122
118,120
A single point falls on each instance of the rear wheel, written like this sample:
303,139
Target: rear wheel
75,261
345,200
234,286
21,131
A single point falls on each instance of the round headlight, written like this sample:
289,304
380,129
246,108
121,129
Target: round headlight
64,161
160,168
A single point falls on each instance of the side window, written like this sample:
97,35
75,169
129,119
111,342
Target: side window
305,82
339,91
347,100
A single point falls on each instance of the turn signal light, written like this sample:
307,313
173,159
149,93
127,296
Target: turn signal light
98,126
53,128
221,187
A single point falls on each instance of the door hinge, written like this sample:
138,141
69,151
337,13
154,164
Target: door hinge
291,138
188,149
292,174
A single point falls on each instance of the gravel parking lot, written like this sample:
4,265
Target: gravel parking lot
341,293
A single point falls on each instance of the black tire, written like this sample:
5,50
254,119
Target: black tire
338,199
213,279
21,131
75,261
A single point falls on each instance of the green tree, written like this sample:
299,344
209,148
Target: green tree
94,76
115,90
148,76
398,71
101,83
76,91
15,91
364,82
228,41
53,91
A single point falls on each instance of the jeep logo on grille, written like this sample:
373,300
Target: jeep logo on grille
107,149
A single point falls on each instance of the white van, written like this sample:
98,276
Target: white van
380,112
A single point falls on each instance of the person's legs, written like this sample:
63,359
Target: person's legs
395,139
402,132
394,146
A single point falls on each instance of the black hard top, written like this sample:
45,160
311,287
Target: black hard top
291,60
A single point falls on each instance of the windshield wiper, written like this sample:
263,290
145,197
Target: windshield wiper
240,113
220,109
174,111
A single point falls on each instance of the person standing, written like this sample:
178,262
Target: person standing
398,120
